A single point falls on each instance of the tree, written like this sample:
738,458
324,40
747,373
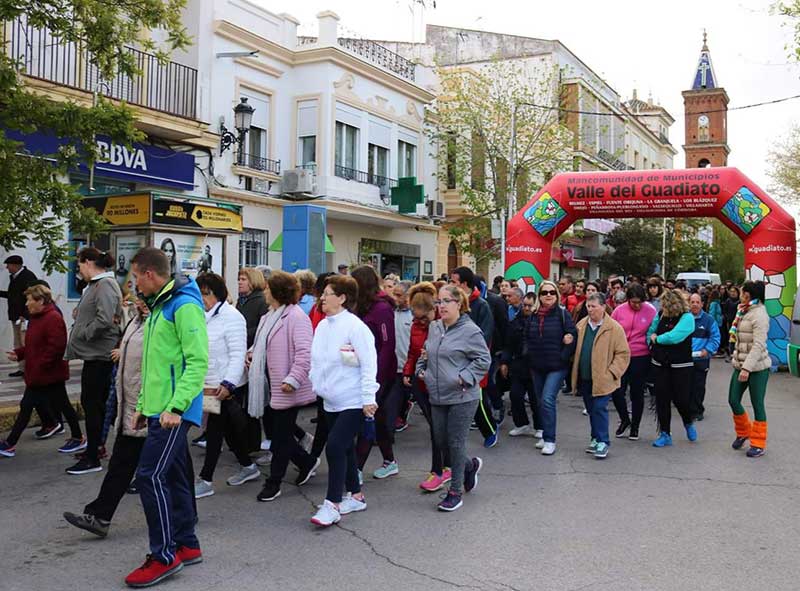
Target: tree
35,203
727,256
785,173
472,125
791,10
635,248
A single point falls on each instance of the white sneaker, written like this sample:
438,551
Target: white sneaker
538,433
350,504
264,460
246,474
585,412
518,431
327,514
540,444
266,444
548,449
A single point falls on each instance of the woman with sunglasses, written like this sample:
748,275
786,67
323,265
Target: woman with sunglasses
452,364
551,343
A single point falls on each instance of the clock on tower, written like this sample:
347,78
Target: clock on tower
705,116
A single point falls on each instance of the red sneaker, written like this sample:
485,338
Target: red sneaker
152,572
189,556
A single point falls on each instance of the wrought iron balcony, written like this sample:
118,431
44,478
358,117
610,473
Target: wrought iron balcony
361,176
168,87
664,139
374,52
258,163
612,161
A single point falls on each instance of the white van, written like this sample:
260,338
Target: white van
699,278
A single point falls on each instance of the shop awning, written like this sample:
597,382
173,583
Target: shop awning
277,244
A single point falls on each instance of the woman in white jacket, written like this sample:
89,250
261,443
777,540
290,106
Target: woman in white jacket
344,367
227,345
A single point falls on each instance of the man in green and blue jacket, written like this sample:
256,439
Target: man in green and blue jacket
174,365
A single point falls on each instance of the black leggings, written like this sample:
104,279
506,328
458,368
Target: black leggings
321,434
230,423
440,458
95,385
387,399
44,397
635,377
673,387
285,447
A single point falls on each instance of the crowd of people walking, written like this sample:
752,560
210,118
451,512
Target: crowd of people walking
362,350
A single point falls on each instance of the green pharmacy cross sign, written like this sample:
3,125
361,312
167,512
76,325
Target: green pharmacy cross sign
408,194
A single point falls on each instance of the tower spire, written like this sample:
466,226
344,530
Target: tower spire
704,76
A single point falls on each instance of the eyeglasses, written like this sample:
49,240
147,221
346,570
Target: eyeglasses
444,301
547,292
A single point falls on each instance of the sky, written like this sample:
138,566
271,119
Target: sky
626,44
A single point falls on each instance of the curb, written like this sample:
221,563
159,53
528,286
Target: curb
8,414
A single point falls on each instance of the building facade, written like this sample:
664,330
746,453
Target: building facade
608,132
337,124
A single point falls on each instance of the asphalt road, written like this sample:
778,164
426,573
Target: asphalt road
694,516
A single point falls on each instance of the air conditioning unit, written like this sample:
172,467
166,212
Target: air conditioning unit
435,209
296,182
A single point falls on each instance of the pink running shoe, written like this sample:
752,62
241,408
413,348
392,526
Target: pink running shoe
432,483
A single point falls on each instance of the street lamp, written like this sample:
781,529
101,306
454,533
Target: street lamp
242,119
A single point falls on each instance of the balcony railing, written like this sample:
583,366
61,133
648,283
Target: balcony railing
258,163
361,176
612,161
374,52
664,139
168,87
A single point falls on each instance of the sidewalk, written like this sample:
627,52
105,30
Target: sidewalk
11,390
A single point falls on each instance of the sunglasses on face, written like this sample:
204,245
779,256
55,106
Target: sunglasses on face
547,292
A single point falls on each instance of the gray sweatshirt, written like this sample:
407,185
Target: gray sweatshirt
455,360
98,319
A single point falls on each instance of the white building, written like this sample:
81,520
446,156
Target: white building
347,111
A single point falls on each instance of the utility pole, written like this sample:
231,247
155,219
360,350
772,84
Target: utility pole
511,202
664,248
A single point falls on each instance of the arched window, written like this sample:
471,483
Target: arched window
704,163
452,257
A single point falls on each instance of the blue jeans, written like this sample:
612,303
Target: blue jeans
547,385
597,406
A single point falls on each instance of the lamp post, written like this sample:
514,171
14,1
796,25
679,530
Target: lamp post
242,119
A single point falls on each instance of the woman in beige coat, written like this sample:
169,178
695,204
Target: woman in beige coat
751,364
97,515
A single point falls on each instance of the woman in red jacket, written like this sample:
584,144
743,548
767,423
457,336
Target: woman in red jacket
46,371
421,297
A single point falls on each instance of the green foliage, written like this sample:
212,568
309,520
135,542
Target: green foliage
727,256
636,246
472,126
35,203
791,11
785,172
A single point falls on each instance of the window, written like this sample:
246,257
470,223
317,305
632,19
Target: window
406,159
253,247
256,145
308,150
307,123
346,153
377,164
451,161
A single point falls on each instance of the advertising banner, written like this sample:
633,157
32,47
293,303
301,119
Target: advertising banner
191,254
194,215
126,247
767,230
122,210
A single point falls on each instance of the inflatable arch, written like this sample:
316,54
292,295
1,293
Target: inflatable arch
768,231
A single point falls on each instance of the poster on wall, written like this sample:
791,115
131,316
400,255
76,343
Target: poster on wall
191,254
126,247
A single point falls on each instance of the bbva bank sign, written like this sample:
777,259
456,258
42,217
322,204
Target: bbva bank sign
119,155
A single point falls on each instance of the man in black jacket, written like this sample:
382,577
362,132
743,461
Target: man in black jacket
481,314
21,279
499,309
